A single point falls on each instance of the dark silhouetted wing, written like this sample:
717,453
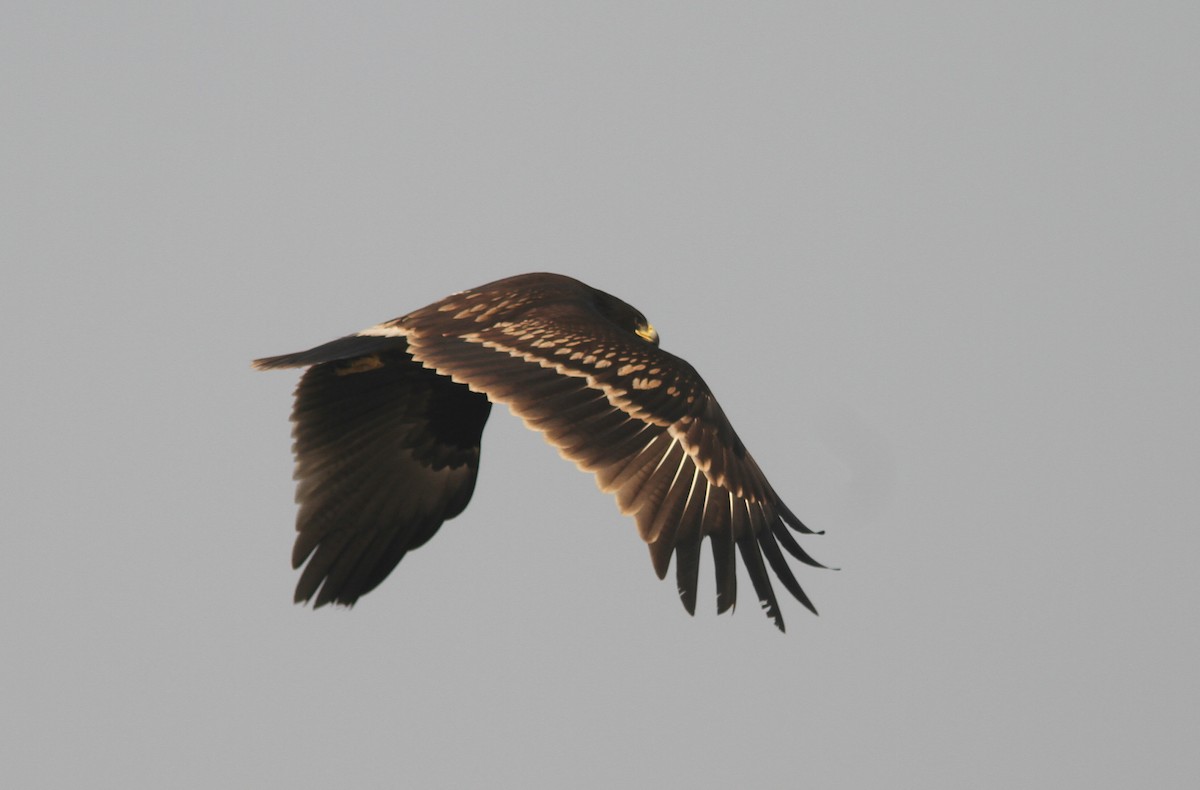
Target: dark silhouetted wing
386,450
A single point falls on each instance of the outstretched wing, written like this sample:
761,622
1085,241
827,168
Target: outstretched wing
639,418
386,450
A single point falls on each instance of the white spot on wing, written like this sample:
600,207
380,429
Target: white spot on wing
387,329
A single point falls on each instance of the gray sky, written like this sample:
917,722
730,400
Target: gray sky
937,260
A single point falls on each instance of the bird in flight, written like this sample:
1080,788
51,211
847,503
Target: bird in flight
387,426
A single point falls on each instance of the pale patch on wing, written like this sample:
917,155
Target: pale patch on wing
475,308
360,365
617,396
614,394
386,329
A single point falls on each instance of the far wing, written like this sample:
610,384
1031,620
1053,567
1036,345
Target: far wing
386,451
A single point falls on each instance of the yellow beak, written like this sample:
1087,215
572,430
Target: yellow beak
647,333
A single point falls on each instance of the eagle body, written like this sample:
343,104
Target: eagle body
387,426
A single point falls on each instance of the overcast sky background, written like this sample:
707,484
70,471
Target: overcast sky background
939,261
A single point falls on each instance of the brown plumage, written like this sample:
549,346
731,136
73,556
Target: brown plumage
388,423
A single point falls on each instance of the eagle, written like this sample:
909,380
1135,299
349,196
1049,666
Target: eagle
387,427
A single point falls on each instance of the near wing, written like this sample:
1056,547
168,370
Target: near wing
639,418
